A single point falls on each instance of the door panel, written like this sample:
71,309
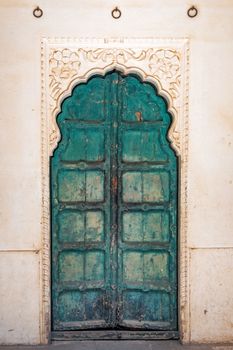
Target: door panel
84,144
114,209
80,187
147,218
150,226
133,146
145,186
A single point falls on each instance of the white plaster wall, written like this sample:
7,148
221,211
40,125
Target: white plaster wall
19,295
211,294
210,168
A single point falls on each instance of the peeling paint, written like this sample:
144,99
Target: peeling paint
114,229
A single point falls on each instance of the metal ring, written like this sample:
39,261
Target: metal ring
37,12
192,12
116,13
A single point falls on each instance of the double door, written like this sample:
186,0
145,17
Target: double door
114,209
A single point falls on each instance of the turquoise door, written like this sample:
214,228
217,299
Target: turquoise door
114,209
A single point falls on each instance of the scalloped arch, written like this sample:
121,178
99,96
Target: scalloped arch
162,67
56,135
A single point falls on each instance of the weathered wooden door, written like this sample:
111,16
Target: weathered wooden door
114,209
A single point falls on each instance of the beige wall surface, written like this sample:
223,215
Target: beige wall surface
210,154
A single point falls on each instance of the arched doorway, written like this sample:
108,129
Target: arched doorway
114,209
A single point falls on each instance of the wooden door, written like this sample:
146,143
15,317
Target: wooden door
114,209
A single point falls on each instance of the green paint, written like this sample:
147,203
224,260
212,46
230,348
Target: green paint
114,242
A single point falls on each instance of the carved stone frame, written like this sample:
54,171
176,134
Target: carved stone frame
67,62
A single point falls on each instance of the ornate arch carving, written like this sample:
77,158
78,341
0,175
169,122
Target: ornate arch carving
67,62
70,65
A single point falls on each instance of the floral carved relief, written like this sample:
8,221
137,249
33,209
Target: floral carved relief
165,65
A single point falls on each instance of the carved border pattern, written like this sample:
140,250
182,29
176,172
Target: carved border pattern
68,62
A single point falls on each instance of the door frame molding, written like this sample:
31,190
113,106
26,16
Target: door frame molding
66,62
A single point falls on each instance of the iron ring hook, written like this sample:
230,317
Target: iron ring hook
37,12
116,13
192,12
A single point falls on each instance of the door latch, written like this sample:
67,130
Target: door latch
114,184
